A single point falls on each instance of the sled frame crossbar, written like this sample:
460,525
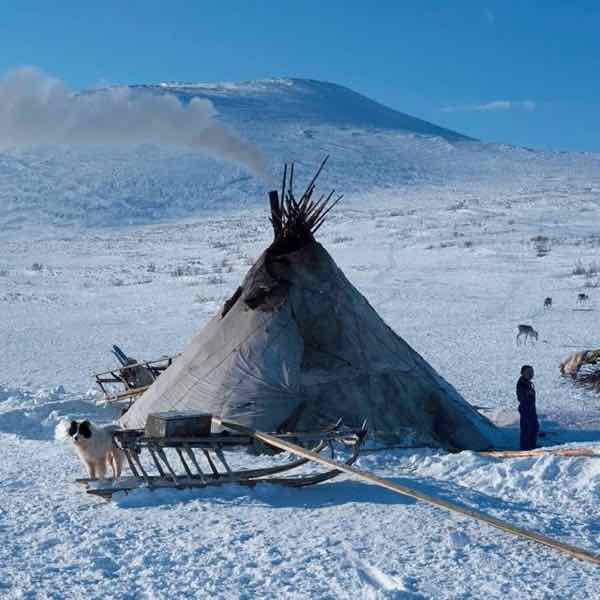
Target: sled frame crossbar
118,376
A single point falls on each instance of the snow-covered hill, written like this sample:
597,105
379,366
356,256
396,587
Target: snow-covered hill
304,101
372,148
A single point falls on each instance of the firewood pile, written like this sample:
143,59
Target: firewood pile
590,378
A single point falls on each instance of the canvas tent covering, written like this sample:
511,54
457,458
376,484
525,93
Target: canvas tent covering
297,347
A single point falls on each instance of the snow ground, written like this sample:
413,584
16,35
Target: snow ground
453,280
453,243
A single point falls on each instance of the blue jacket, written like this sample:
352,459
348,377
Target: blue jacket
526,396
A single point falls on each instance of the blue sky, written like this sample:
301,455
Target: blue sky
526,73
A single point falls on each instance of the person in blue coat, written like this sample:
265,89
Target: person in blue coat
529,421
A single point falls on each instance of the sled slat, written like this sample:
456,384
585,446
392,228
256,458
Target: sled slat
211,464
130,462
192,457
182,460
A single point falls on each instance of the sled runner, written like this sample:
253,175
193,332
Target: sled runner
186,461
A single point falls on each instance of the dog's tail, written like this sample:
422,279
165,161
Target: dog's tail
61,432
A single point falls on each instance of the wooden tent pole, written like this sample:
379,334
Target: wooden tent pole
406,491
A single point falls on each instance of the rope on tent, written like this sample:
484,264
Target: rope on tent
527,534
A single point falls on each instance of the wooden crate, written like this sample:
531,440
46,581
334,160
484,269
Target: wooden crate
178,424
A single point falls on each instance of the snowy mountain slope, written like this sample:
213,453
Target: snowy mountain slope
303,101
372,148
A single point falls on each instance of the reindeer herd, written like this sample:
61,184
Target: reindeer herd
525,332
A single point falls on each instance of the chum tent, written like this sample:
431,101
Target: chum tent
297,347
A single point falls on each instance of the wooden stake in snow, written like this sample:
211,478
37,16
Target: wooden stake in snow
412,493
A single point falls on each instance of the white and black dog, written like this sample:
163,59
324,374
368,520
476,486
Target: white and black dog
96,448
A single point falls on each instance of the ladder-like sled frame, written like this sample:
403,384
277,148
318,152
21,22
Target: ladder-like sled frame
183,469
125,377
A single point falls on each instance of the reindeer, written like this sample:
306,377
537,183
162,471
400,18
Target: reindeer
528,331
548,302
582,298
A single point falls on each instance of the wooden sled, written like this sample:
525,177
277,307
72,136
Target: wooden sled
123,385
182,469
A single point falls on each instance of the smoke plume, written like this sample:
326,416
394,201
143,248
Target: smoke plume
37,109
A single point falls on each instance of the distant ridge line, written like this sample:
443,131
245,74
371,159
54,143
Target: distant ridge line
293,99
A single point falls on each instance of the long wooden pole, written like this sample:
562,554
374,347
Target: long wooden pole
274,441
575,452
